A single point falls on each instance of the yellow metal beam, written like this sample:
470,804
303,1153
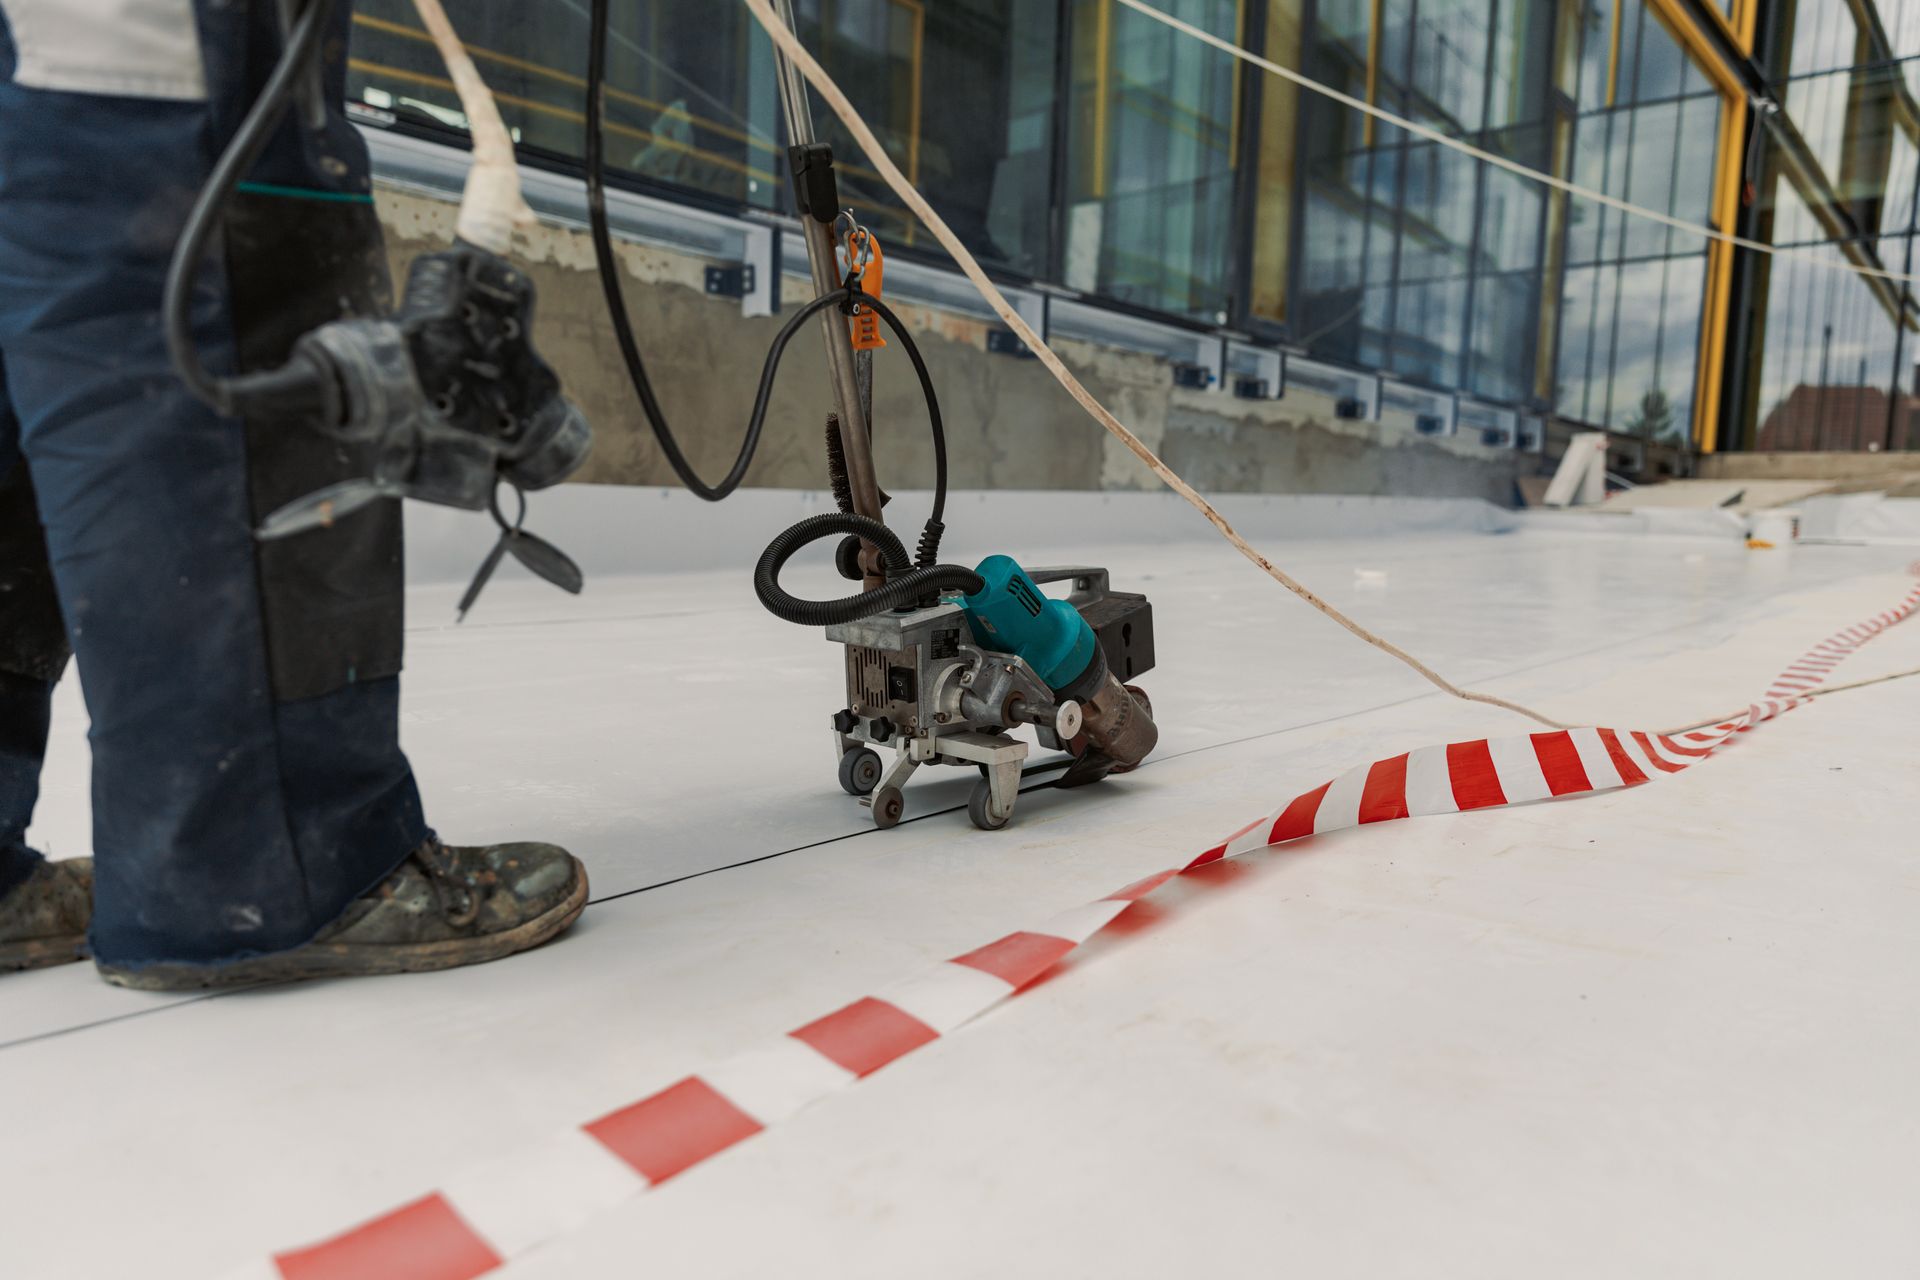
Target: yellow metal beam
1553,272
1694,41
917,82
1373,68
1746,17
1243,37
1613,56
1727,180
1102,91
1729,26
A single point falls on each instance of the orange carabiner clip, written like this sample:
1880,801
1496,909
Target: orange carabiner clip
871,275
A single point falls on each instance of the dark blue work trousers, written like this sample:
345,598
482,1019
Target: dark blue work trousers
247,776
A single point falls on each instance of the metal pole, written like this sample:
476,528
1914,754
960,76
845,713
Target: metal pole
1820,420
855,441
793,85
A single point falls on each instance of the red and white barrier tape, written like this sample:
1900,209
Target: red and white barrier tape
489,1214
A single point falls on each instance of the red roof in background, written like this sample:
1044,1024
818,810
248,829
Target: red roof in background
1838,419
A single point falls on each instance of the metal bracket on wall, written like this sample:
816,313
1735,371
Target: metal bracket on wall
755,281
1214,356
1036,309
1434,413
730,281
762,266
1356,396
1495,428
1206,369
1256,373
1005,342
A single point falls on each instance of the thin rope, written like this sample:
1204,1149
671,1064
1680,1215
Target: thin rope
823,84
1814,256
1798,697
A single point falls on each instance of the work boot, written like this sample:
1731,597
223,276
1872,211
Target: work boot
444,907
43,921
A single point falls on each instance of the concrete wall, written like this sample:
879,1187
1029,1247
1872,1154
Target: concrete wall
1871,470
1009,425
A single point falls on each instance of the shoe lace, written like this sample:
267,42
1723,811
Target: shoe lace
449,882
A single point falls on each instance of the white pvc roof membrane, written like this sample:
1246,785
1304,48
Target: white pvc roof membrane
1665,1031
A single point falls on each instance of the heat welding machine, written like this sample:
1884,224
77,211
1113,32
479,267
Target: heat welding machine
944,684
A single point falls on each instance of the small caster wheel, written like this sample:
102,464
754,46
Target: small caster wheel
979,808
888,805
860,771
846,559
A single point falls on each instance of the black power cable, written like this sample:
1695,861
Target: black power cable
630,348
302,49
616,296
846,299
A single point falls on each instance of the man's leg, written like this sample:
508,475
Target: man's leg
254,818
33,649
229,817
43,909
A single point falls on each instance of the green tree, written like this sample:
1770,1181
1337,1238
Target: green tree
1654,418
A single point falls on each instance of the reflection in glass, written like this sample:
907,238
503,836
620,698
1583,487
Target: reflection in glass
1153,151
1832,351
690,96
1631,363
1413,257
965,109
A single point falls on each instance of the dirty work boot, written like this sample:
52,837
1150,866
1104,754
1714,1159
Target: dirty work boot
442,908
43,922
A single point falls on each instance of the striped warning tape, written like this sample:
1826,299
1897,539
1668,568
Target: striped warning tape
491,1213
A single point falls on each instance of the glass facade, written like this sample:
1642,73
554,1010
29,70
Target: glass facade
1832,352
965,111
1635,289
1082,144
1415,259
691,100
1153,158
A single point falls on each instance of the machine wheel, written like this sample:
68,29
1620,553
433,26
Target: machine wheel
1139,696
978,808
888,805
860,771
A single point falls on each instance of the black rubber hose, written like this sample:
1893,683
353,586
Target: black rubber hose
906,588
616,296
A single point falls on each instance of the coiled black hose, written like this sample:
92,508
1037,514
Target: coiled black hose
905,588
